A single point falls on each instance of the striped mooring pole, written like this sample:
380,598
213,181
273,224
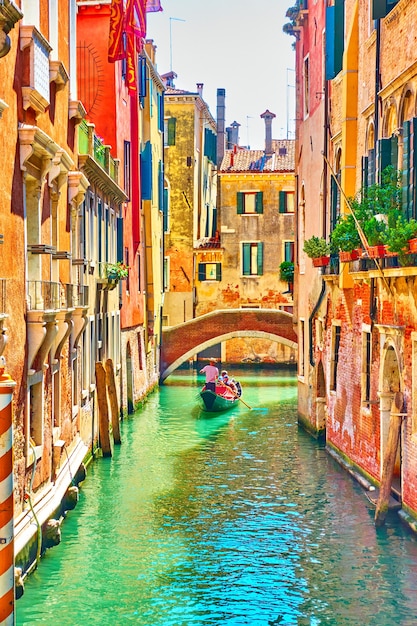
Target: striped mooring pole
7,616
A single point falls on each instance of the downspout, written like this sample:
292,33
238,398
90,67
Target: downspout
310,321
377,84
325,151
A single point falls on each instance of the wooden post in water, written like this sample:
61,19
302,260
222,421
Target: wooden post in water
114,406
103,409
389,459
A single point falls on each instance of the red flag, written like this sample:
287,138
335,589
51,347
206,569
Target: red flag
153,5
136,18
116,51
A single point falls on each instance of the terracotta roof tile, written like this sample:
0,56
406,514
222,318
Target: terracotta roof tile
243,160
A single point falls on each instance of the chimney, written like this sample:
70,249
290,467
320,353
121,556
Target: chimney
168,79
221,121
200,89
151,50
268,117
232,135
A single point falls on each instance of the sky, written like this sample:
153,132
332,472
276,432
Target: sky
237,45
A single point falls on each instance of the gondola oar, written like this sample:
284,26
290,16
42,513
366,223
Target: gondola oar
237,396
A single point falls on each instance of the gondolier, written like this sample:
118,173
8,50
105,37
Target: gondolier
212,374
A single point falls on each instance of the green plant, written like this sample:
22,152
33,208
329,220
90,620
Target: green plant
117,271
316,247
398,236
345,235
375,230
286,271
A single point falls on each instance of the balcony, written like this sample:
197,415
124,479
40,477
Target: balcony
43,295
92,145
208,243
36,95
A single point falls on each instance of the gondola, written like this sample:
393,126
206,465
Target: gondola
221,400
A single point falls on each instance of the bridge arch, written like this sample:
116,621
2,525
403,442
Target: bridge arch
180,343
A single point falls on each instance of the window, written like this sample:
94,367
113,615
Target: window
165,210
249,202
252,259
286,202
166,273
126,167
366,365
306,77
170,126
209,271
408,167
335,39
336,331
381,8
288,251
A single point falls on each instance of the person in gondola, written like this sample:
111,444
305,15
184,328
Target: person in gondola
212,374
229,382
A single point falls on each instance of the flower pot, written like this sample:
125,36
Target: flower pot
413,245
377,252
353,255
321,261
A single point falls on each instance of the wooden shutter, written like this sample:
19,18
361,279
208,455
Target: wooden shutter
246,255
172,126
240,202
405,168
282,202
146,171
413,169
384,155
218,271
119,238
259,202
201,271
165,210
260,259
364,172
381,8
371,167
335,37
161,186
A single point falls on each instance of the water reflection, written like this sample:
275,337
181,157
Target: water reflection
233,519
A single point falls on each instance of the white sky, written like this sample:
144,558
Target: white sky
237,45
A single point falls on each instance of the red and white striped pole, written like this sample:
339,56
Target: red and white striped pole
7,617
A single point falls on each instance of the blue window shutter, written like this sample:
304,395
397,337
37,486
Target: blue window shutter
161,112
146,171
201,271
260,259
161,186
246,259
214,226
259,204
239,201
165,210
119,235
335,36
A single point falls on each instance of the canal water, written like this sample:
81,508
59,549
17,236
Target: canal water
235,519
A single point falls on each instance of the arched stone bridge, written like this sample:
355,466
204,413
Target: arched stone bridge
179,343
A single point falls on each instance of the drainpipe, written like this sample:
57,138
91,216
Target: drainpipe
325,150
377,86
310,321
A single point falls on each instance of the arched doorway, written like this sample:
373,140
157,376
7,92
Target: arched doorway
390,384
129,380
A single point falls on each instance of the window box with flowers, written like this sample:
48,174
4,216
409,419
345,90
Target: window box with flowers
116,271
317,249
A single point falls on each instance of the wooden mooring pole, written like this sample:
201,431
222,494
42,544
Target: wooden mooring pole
103,410
114,405
389,459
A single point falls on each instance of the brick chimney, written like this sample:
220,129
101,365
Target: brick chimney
221,122
268,117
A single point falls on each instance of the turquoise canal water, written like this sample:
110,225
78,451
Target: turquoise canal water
236,519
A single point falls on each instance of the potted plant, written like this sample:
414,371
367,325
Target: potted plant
286,272
398,237
317,249
117,271
345,238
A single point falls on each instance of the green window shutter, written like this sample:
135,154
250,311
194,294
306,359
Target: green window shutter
239,202
381,8
333,203
165,210
335,27
282,202
201,271
259,202
218,271
119,237
413,169
246,259
172,126
384,155
364,181
405,168
371,167
260,259
394,151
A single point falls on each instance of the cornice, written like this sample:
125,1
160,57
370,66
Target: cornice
96,175
10,14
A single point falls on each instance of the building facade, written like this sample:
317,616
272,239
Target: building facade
357,320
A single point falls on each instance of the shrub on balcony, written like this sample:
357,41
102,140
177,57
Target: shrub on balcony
286,272
397,237
345,236
117,271
316,247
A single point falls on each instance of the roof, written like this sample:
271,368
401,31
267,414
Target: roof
173,91
244,160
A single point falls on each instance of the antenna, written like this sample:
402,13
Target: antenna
289,69
172,19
